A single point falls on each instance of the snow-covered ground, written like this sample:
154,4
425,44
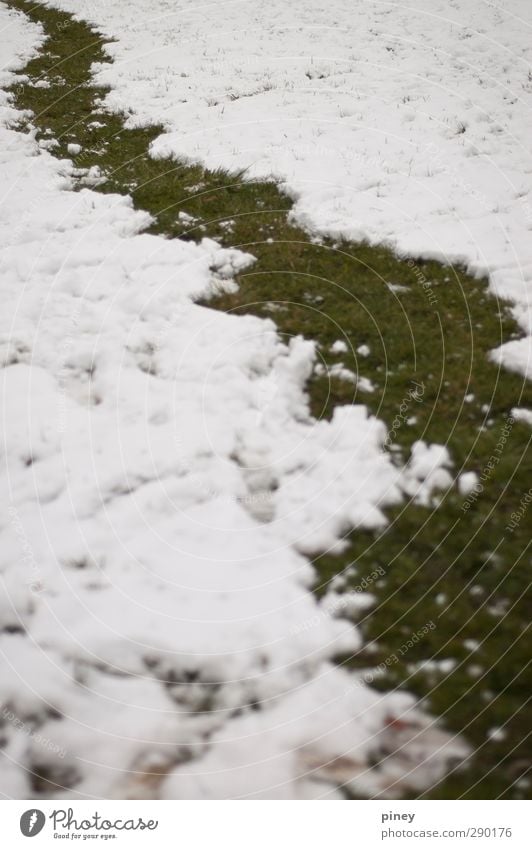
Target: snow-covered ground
165,480
400,122
150,614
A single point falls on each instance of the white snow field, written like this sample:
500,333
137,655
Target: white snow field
165,482
407,122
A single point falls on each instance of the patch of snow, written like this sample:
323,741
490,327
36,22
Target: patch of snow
522,415
339,347
467,482
515,355
426,471
497,734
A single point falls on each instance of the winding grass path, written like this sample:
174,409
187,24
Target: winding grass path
423,324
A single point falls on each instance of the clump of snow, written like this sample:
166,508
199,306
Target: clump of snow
497,734
522,415
340,372
515,355
339,347
426,471
467,482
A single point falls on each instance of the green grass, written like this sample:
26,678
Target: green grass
460,568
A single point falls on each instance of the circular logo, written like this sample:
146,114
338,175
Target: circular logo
32,822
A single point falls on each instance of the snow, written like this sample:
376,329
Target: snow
426,471
339,347
522,415
467,482
515,355
165,482
405,123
